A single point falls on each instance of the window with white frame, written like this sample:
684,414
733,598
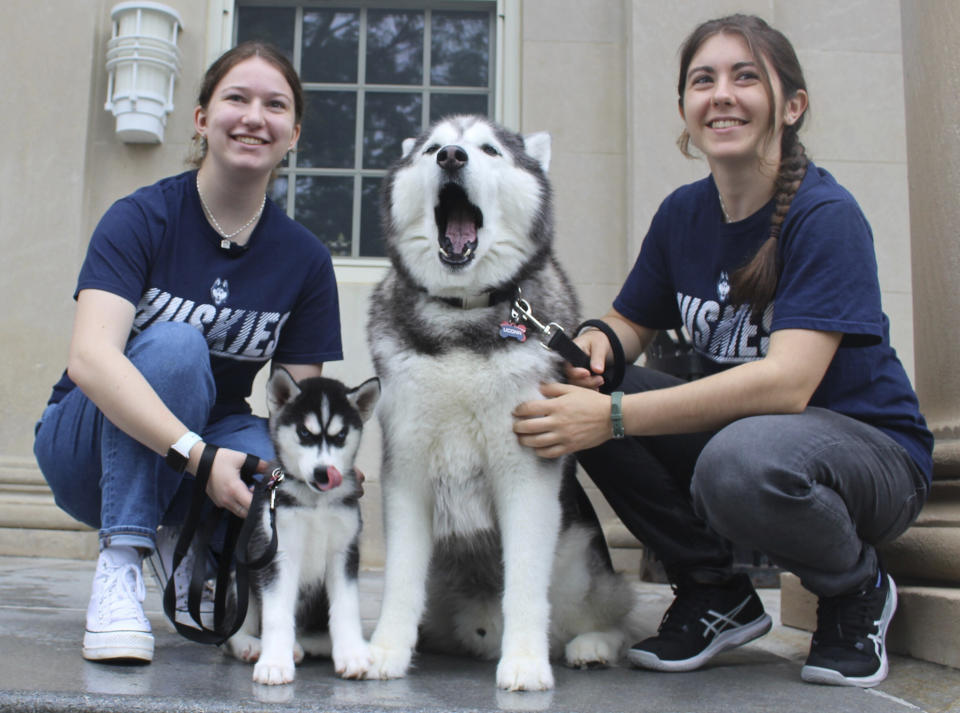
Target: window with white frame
373,74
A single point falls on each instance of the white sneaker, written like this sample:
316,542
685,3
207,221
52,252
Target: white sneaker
161,564
117,628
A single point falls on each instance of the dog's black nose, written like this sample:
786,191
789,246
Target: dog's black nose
451,158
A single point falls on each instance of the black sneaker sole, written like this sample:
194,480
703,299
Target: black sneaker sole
729,639
832,677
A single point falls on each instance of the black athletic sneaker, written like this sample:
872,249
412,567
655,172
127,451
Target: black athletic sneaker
849,645
703,620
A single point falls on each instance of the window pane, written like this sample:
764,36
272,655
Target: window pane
329,130
325,206
330,42
267,24
371,236
460,49
394,47
442,105
388,119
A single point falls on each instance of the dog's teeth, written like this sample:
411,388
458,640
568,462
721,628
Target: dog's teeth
468,252
444,252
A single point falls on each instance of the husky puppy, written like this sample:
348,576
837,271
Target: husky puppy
490,550
315,426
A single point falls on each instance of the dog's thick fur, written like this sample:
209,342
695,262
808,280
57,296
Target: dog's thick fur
479,530
310,587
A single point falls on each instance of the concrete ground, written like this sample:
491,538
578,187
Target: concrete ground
43,601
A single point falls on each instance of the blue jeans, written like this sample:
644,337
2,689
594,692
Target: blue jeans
815,491
107,480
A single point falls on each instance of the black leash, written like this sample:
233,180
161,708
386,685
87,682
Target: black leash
234,563
521,314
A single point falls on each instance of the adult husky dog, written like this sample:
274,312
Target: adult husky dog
489,525
315,426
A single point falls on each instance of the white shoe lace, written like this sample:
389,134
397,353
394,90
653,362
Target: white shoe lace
122,592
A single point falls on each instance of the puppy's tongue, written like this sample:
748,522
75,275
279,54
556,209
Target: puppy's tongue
333,478
461,229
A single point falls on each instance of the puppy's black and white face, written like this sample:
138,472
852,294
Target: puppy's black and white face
316,426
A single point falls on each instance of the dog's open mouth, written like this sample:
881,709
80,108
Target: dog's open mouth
458,221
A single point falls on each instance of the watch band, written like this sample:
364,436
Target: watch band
616,414
179,453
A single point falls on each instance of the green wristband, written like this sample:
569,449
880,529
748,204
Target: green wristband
616,414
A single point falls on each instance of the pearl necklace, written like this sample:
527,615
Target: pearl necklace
226,236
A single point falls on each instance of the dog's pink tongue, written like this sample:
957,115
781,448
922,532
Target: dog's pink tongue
461,230
333,478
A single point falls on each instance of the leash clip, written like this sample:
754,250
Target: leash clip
276,477
522,310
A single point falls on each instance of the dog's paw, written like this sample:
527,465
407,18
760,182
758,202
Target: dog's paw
352,662
244,647
524,673
593,650
387,663
273,673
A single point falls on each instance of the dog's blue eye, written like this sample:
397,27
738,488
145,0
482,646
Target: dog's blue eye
302,432
432,148
490,150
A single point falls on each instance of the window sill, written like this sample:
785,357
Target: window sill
360,270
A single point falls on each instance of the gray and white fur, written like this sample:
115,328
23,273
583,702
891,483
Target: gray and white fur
306,600
490,549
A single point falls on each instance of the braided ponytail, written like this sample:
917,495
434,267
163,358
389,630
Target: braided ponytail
756,282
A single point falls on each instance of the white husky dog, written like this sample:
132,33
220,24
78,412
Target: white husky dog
490,550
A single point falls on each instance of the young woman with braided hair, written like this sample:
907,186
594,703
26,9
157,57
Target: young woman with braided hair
804,440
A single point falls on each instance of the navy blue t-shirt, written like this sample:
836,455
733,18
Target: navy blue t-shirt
828,282
277,299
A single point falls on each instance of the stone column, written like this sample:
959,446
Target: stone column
926,559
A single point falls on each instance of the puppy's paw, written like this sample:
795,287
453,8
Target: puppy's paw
524,673
244,647
274,673
593,650
352,661
387,663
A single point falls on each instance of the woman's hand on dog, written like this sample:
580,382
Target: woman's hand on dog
225,486
569,419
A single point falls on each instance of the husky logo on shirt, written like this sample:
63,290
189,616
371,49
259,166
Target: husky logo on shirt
723,287
242,334
219,291
726,333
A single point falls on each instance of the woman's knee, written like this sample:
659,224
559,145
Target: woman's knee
731,478
175,359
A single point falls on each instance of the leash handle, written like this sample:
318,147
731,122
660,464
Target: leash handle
198,530
611,380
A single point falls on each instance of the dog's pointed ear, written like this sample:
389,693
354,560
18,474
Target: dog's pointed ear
537,146
280,389
407,145
364,397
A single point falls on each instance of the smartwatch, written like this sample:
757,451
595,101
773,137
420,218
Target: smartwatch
179,452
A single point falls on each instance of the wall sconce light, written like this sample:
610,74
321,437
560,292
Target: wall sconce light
142,63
